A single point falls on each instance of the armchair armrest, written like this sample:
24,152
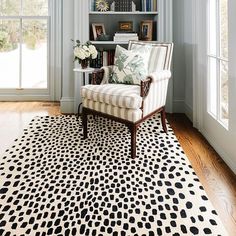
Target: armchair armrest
102,75
160,75
153,77
145,86
97,77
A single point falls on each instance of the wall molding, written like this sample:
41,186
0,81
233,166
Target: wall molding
56,51
198,72
25,97
179,106
188,111
67,105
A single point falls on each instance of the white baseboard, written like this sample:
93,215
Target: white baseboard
188,111
178,106
67,105
229,161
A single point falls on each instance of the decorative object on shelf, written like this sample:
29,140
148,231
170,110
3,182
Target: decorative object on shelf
83,53
98,30
133,6
146,30
126,26
102,5
112,6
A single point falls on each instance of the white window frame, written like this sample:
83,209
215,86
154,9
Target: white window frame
218,59
53,91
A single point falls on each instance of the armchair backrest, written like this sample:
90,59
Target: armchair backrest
160,55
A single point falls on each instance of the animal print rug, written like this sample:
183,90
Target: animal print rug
52,182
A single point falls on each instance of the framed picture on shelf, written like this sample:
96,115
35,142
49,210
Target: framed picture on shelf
146,27
98,30
126,26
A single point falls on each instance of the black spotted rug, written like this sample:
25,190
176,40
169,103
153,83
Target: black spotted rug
55,183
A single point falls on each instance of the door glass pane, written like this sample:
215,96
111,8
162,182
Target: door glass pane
35,7
212,25
10,7
34,54
224,91
212,86
9,53
224,28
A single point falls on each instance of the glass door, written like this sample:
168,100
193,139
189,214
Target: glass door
24,45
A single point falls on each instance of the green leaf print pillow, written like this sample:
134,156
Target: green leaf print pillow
130,67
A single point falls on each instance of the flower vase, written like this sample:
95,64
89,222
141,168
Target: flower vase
84,64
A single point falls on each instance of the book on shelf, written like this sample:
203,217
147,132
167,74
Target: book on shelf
104,58
92,5
123,5
125,33
125,39
149,5
125,36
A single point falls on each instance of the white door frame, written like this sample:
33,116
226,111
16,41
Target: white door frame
226,150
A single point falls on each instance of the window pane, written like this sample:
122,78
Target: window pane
212,86
34,54
9,53
224,28
35,7
212,27
224,86
10,7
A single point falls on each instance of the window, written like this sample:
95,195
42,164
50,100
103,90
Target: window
24,44
218,97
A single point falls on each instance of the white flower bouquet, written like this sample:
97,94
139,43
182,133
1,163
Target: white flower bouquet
83,53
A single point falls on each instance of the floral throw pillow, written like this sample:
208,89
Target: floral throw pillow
130,67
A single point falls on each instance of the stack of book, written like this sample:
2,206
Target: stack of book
149,5
123,5
125,36
104,58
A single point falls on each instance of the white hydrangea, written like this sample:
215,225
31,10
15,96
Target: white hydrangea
82,52
93,51
79,52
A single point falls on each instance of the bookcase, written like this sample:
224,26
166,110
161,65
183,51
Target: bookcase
145,10
139,11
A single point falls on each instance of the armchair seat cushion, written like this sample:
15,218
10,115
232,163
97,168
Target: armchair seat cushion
118,95
132,115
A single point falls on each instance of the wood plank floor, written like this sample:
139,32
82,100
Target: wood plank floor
217,179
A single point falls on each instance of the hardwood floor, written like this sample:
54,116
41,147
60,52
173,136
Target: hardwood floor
217,179
15,116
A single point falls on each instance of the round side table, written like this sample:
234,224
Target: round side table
84,72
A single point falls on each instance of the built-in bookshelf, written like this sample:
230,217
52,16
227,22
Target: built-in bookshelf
141,11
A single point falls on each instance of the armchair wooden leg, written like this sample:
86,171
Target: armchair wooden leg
163,119
133,130
85,123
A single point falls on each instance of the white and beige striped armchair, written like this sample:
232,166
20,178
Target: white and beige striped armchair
130,104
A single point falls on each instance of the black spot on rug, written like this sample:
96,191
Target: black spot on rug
52,182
